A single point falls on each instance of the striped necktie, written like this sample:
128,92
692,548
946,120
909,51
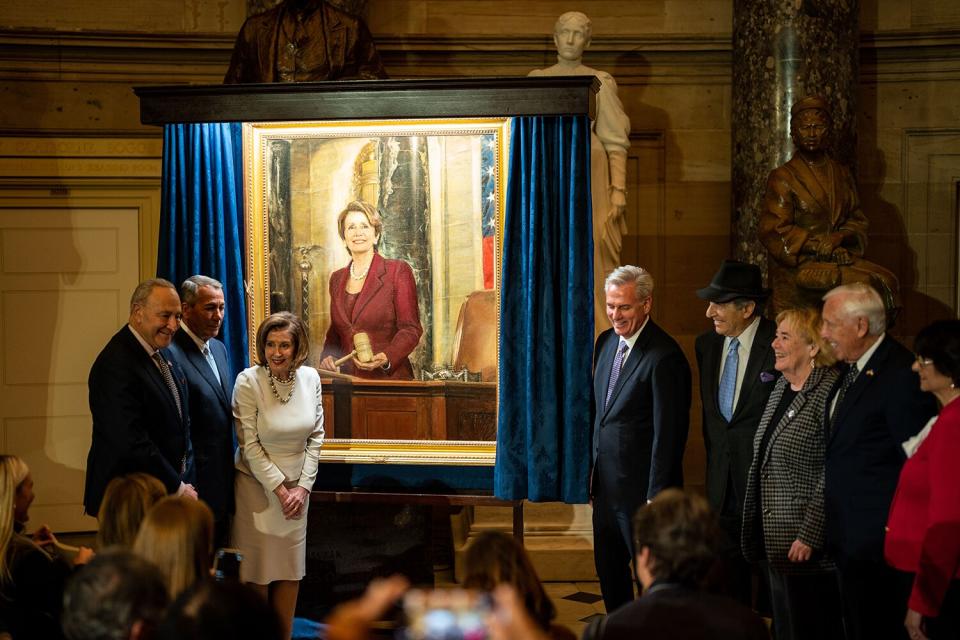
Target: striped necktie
168,379
615,371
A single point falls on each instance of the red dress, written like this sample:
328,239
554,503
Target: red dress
385,309
923,530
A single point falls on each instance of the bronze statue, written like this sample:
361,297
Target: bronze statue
303,41
812,224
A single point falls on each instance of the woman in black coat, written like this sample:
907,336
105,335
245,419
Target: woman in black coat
783,514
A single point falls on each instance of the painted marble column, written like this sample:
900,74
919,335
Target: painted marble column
784,50
405,207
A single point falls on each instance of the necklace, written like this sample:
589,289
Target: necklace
361,276
288,380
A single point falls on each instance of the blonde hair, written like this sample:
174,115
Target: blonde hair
13,471
806,322
126,501
177,536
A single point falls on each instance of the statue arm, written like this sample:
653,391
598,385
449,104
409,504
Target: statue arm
779,233
613,129
853,224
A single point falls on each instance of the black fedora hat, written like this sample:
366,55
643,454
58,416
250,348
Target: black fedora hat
735,280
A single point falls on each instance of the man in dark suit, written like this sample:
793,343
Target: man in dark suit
675,536
875,406
733,394
641,384
139,399
203,359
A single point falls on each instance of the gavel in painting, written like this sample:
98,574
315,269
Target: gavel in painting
361,349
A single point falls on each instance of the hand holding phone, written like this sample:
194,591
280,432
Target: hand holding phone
226,564
446,614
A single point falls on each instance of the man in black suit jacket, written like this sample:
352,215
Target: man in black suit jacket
203,359
874,407
138,400
675,537
733,399
641,424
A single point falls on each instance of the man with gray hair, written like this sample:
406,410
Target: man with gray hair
203,359
875,406
641,385
139,400
117,596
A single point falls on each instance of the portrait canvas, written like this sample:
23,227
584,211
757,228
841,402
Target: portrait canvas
438,187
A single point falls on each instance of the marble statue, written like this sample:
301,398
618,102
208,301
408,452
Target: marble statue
610,139
811,224
303,41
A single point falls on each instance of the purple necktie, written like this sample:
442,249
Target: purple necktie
615,371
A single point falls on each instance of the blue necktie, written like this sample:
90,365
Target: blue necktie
728,381
615,371
211,362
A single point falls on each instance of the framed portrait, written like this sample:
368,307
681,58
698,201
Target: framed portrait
431,194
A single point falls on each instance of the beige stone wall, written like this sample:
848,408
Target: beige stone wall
67,67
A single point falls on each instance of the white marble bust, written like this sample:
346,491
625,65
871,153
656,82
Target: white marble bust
608,162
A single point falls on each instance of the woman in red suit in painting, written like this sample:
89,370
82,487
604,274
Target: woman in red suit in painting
371,295
923,531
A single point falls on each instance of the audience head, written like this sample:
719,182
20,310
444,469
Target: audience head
177,536
212,610
494,558
735,297
126,501
629,293
798,334
155,311
938,357
117,596
202,306
675,537
363,218
16,494
853,317
284,321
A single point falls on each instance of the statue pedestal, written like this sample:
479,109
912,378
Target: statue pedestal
558,537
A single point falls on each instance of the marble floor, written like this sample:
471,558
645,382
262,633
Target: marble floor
576,602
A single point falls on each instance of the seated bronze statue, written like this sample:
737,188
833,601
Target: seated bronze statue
303,41
812,224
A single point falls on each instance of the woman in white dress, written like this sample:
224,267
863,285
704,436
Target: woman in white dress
279,422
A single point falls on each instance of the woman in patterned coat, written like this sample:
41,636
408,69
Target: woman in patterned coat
783,520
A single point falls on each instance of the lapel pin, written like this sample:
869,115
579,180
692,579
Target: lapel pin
766,376
868,373
791,413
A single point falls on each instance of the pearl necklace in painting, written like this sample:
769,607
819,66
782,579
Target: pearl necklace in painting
273,387
359,276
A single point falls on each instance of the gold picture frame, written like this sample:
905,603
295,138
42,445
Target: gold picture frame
440,185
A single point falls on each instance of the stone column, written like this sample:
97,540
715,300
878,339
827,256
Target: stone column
405,207
784,50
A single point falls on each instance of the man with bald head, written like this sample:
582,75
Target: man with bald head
139,400
875,406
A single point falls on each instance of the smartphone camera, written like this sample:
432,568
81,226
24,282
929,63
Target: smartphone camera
226,564
446,614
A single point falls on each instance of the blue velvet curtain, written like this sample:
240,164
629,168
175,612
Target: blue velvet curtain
201,218
546,313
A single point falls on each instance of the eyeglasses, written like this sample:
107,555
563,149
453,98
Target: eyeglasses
923,362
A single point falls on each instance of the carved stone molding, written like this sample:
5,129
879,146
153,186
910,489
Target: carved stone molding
163,58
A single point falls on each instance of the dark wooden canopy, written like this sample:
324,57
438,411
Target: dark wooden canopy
364,99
